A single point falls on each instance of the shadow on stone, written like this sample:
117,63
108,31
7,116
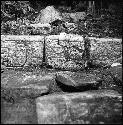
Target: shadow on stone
65,83
68,88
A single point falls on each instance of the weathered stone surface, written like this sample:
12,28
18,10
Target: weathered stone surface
91,107
117,71
111,78
66,53
3,67
48,15
40,29
78,79
75,16
104,50
19,52
66,81
118,60
22,112
62,51
114,75
18,85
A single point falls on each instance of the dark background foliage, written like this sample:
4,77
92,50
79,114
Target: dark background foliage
107,20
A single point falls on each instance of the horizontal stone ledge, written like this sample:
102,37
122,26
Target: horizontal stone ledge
20,84
78,79
62,37
105,39
21,37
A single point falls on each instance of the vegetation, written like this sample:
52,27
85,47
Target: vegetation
106,23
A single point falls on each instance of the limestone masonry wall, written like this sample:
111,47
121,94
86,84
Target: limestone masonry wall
59,52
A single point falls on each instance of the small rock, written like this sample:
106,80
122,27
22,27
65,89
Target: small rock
116,64
48,15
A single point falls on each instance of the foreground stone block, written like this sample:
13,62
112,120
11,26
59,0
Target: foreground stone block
22,112
91,107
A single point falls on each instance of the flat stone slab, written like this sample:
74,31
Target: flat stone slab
66,81
18,85
20,78
91,107
77,78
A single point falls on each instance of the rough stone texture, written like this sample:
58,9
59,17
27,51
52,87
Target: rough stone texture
20,89
113,75
63,54
117,72
22,112
75,16
16,85
119,60
92,107
106,51
65,79
74,81
81,77
3,67
40,29
48,15
16,51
